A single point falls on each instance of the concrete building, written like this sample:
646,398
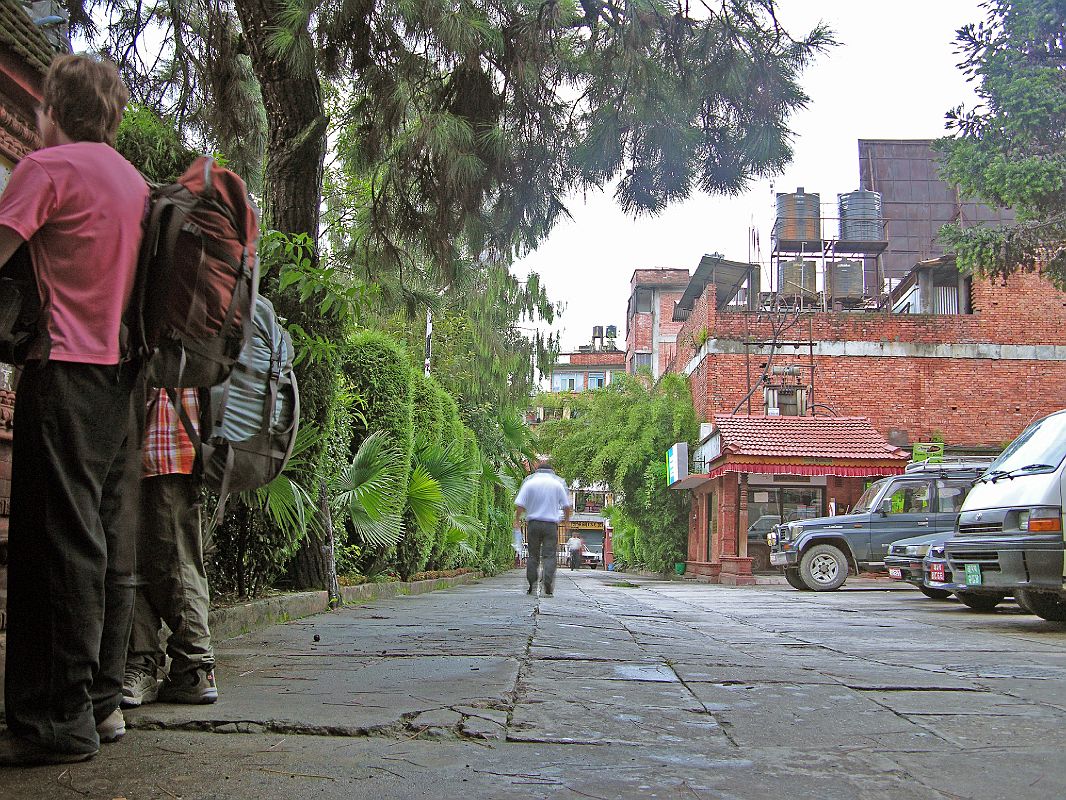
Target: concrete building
651,331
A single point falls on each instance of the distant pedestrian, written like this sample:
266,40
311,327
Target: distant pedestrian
574,548
170,557
76,452
545,500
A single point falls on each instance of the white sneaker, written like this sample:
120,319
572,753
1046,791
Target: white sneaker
138,688
112,728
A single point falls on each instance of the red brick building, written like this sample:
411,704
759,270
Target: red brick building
25,53
973,379
651,331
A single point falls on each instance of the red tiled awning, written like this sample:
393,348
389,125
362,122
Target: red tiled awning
807,469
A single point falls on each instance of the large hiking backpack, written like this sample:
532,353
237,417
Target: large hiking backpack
249,426
197,279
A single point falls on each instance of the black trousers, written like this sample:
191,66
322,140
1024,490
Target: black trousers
76,464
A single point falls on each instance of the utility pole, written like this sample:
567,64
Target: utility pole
429,338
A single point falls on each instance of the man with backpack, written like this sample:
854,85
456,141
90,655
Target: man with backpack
79,205
170,554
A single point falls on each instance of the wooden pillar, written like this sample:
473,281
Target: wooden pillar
736,565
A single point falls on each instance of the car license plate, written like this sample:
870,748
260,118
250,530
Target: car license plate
896,573
936,573
973,574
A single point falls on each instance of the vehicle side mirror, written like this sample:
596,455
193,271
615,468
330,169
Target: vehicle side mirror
885,507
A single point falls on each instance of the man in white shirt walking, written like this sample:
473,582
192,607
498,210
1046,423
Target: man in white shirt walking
544,500
574,546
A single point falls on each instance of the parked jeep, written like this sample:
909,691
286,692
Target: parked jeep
817,554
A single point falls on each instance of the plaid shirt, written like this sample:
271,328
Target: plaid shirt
167,447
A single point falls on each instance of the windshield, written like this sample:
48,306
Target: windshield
1040,448
866,502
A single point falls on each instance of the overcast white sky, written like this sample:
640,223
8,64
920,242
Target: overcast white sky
893,76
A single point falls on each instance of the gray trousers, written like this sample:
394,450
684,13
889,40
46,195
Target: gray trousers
170,558
543,540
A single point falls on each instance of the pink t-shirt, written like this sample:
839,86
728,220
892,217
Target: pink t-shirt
80,207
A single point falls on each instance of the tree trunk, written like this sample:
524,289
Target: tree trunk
296,145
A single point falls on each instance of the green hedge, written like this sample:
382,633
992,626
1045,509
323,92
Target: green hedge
380,374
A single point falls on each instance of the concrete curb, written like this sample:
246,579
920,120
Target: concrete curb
227,623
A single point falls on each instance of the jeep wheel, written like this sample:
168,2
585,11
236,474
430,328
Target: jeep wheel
935,594
979,602
823,568
792,576
1046,605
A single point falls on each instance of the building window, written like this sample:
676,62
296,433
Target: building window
641,360
772,505
568,382
596,380
644,301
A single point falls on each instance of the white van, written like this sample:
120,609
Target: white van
1009,538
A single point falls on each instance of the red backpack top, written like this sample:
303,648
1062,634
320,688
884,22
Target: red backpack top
197,279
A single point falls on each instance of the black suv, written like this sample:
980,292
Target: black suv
817,554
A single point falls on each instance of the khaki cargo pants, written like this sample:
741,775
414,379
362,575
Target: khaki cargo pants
173,582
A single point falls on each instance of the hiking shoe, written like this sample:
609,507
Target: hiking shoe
530,589
112,728
196,687
18,752
138,688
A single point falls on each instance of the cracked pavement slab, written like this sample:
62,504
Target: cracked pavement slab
660,689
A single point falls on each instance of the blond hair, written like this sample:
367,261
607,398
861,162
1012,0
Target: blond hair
87,97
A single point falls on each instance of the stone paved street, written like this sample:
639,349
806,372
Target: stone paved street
617,687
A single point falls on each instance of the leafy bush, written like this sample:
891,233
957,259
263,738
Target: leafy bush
379,372
377,368
151,144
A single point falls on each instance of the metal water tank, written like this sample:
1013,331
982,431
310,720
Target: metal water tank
797,277
846,280
798,216
597,332
861,219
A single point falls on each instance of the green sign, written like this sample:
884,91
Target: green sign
933,452
973,574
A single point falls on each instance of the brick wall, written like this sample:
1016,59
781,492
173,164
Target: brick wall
973,400
600,358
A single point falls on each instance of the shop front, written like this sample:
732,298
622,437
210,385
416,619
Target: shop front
760,471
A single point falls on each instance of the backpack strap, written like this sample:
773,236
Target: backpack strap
223,494
186,421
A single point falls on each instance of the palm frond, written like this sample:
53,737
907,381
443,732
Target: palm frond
449,466
371,489
288,503
424,498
